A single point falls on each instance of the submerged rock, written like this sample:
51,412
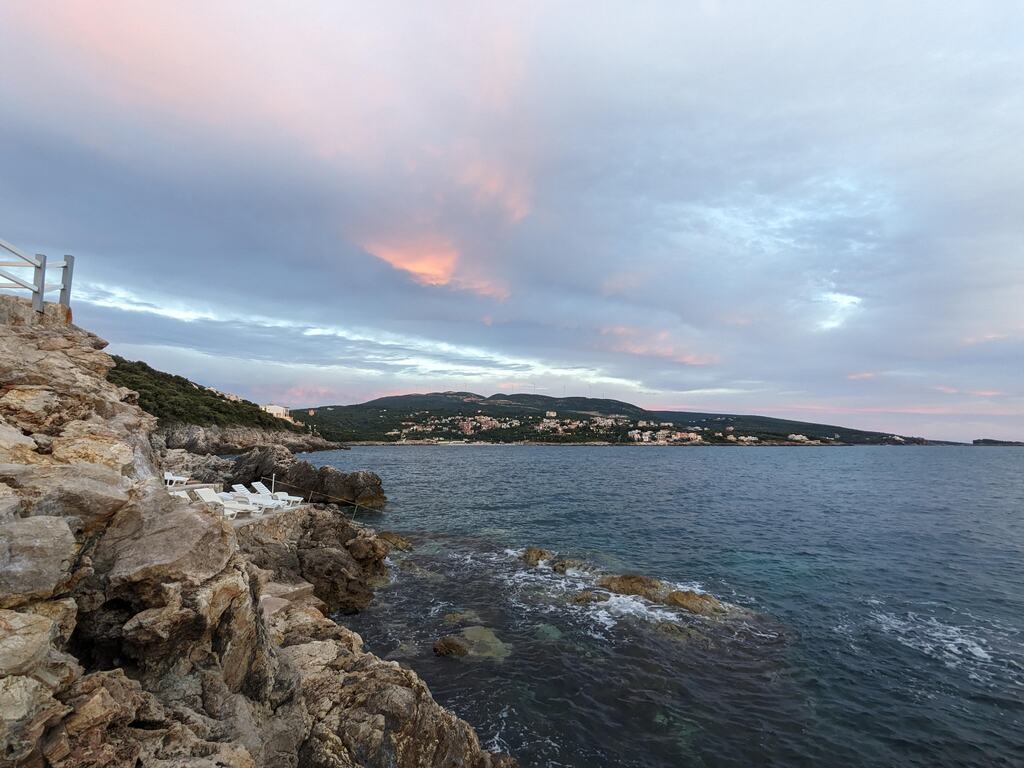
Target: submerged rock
396,540
450,645
588,596
569,564
461,617
633,584
695,602
483,642
533,555
684,634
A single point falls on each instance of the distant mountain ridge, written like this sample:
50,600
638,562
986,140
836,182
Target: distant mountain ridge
375,419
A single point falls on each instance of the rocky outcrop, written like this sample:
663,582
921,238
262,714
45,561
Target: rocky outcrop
234,440
325,485
134,627
198,467
318,545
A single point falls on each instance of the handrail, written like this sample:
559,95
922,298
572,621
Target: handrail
310,493
38,286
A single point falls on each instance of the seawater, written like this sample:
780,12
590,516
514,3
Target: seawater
883,588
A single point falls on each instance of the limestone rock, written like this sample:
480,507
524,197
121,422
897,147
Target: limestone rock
24,641
212,439
569,564
200,468
36,556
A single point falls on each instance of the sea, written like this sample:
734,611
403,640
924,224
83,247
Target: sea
878,593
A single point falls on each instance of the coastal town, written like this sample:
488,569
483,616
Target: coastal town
428,427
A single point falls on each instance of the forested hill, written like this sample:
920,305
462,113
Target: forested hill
408,416
177,400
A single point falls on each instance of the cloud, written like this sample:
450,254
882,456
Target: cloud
667,203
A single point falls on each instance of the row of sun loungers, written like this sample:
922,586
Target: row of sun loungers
241,499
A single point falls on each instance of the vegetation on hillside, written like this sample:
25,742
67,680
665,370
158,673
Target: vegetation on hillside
176,400
378,420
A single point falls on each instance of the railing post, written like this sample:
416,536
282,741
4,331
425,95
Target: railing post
65,280
273,482
40,283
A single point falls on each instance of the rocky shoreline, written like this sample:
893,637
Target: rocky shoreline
140,630
233,440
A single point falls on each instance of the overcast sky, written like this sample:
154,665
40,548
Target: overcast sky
811,210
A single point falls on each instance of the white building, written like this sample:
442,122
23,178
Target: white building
551,414
278,411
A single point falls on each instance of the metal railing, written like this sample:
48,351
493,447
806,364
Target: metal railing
309,495
14,259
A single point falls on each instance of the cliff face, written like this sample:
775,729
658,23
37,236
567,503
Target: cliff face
230,440
139,630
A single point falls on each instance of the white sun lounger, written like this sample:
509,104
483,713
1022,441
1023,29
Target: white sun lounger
229,507
174,480
181,495
267,502
287,498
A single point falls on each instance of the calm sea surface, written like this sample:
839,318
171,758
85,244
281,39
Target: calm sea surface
885,589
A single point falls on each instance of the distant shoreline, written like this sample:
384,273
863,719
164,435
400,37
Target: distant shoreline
602,444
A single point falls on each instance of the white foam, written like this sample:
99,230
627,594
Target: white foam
949,644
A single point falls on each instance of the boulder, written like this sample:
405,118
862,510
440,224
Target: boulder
695,602
533,555
450,645
36,557
633,584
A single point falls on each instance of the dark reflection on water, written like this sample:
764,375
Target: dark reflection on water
885,589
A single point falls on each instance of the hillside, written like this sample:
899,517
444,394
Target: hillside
176,400
518,417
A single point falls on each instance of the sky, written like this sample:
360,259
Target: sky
798,209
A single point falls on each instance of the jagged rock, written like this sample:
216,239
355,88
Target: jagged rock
633,584
36,556
695,602
450,645
324,485
99,561
316,544
213,439
533,555
395,540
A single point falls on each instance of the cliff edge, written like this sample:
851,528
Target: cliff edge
140,630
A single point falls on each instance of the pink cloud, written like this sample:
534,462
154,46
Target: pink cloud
636,341
862,376
433,260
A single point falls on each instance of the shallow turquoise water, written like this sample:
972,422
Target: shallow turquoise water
886,590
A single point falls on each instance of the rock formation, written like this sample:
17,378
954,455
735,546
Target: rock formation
325,485
139,630
235,440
